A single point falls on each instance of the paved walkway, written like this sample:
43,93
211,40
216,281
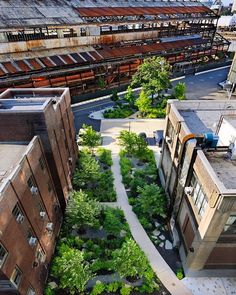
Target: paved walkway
158,264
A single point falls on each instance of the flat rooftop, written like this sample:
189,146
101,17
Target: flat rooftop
204,116
10,155
29,99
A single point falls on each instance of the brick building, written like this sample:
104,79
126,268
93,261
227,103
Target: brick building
91,45
38,155
198,171
30,216
47,113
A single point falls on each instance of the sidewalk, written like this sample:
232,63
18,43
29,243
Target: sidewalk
158,264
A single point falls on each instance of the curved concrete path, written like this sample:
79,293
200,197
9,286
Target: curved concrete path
158,264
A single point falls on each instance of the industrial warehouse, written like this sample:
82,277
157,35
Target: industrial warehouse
91,45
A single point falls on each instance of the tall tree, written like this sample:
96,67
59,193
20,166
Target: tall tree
153,76
90,137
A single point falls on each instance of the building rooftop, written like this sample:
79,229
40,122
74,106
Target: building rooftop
10,155
25,13
17,100
208,116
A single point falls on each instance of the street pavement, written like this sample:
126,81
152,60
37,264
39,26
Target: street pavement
204,86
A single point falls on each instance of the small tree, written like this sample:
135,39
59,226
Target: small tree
82,211
71,269
128,140
130,97
143,103
114,96
90,137
153,76
179,91
88,172
152,200
129,260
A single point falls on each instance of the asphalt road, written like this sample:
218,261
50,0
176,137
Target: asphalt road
204,86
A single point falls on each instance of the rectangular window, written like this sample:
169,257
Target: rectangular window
3,255
230,226
42,163
17,213
199,197
16,277
30,182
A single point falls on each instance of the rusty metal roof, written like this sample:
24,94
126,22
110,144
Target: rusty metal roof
128,11
82,58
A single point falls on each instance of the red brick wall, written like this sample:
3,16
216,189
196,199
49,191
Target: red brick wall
14,235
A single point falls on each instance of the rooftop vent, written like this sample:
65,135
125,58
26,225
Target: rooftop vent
210,140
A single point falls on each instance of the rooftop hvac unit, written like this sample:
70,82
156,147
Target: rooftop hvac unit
42,214
34,190
188,190
32,241
210,140
20,218
49,227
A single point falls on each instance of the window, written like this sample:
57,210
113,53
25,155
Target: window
199,197
170,132
17,213
3,255
16,277
230,226
40,255
30,182
42,163
30,291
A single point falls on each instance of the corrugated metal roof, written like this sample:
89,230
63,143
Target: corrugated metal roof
128,11
82,58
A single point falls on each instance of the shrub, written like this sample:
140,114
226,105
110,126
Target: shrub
152,200
98,288
105,190
125,290
71,270
100,264
179,273
129,260
118,112
125,165
113,221
49,291
90,137
113,287
104,156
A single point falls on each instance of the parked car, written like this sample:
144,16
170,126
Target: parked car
158,137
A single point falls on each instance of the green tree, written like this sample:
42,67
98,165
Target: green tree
82,211
153,76
90,137
133,144
127,140
144,103
179,91
88,172
152,200
129,260
71,270
130,97
114,96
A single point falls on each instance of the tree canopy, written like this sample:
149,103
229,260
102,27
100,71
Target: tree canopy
90,137
82,211
153,76
71,269
179,91
143,103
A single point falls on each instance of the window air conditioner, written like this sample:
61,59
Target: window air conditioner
49,227
34,190
188,190
32,241
20,218
42,214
